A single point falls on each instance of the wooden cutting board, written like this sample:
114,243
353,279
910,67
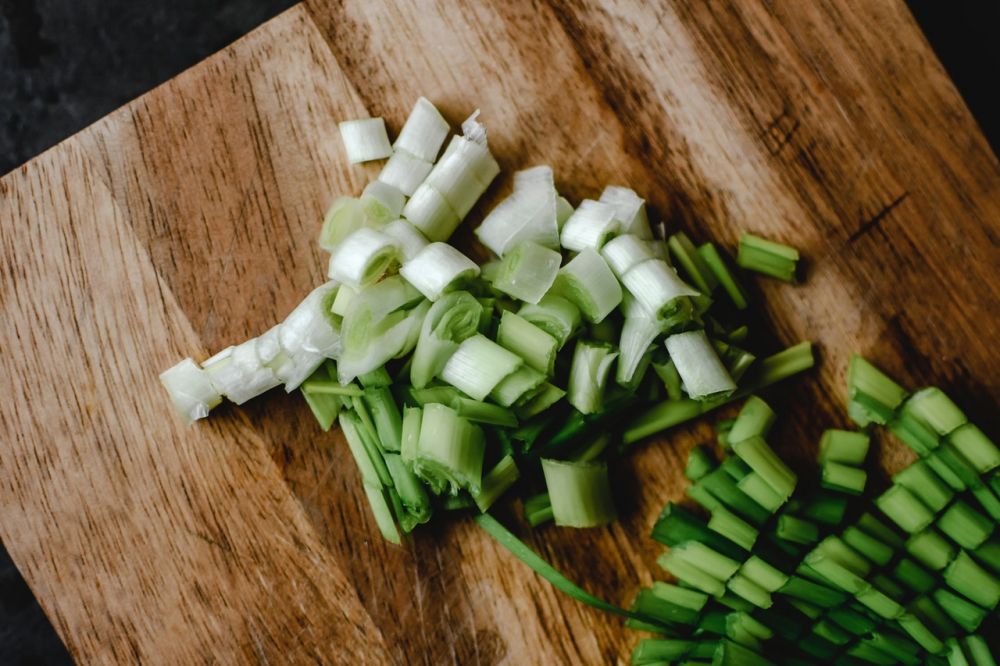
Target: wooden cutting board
186,221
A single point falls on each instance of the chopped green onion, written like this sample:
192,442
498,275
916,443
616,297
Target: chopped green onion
968,578
796,530
365,140
651,651
589,227
754,420
344,217
814,593
555,315
717,265
870,386
385,416
424,131
749,590
943,469
450,321
412,417
496,482
588,375
732,527
658,289
235,372
535,346
444,395
878,602
529,214
932,407
830,631
924,608
904,509
383,513
637,337
761,492
527,272
408,237
624,252
372,467
428,211
965,526
362,257
563,210
914,576
667,372
755,452
979,651
843,446
699,555
463,173
956,462
869,546
580,493
699,366
699,463
411,491
405,171
438,268
921,480
547,396
449,451
630,210
878,529
677,525
383,203
691,575
964,613
590,285
483,412
767,257
538,509
478,365
844,478
988,500
724,487
325,407
930,549
976,447
190,389
692,262
763,574
520,383
852,621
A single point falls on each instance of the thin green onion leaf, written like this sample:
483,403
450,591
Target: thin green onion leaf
411,491
580,493
667,372
377,500
385,416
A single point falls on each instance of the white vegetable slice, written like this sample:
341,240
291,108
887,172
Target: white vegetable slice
405,171
463,173
190,390
424,132
429,212
624,252
588,282
365,140
308,329
698,364
563,210
410,240
240,375
344,217
529,214
638,334
528,271
438,268
589,227
478,365
630,210
382,202
362,257
655,285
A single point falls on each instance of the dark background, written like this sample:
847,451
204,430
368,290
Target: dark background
66,63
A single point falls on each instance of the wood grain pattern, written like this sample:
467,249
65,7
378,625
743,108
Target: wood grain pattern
186,220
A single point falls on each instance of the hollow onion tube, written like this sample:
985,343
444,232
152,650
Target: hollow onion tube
429,212
630,210
438,268
624,252
382,202
478,365
371,341
459,175
637,338
657,287
362,257
190,390
365,140
409,239
547,396
528,214
535,346
449,452
518,384
580,493
450,320
588,375
405,171
424,131
767,257
496,482
555,315
589,227
238,374
588,282
699,366
693,263
345,216
527,272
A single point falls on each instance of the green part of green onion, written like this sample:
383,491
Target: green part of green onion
852,621
889,586
921,480
385,416
843,446
717,265
588,375
976,447
377,378
535,346
956,657
699,365
478,365
547,396
870,547
726,490
693,263
919,632
930,549
767,257
667,372
988,500
870,386
458,502
989,555
710,561
699,463
732,527
451,320
932,615
737,361
580,493
538,509
411,491
690,575
939,462
965,526
760,491
648,603
904,509
835,573
935,409
730,653
826,508
965,613
913,433
677,525
844,478
555,315
869,654
381,509
763,574
914,576
660,650
749,590
756,453
331,388
814,593
410,433
518,385
443,395
754,420
796,530
840,551
722,429
879,603
878,529
527,272
966,577
450,451
979,651
588,282
496,482
832,632
483,412
370,463
699,494
902,649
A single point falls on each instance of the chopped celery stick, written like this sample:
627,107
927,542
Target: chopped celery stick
527,272
921,480
700,462
450,451
535,346
754,420
692,262
904,509
538,509
496,482
483,412
382,512
932,407
761,492
478,365
555,315
580,493
763,574
965,526
545,398
843,446
755,452
796,530
411,491
588,375
412,417
717,265
930,549
699,365
522,382
767,257
844,478
867,382
590,285
969,579
976,447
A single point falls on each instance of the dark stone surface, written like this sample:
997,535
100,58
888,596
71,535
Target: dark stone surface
66,63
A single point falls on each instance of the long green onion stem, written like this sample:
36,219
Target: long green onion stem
580,493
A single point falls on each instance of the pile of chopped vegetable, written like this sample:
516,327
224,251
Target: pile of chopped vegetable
454,383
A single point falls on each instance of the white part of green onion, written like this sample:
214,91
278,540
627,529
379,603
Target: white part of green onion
698,364
344,217
588,375
630,210
655,285
473,130
424,131
365,140
455,175
478,365
659,250
450,320
382,202
563,210
307,327
528,214
588,282
429,212
555,315
580,493
239,375
362,257
342,301
589,227
409,239
438,268
190,390
450,450
405,171
377,344
624,252
527,272
638,334
535,346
